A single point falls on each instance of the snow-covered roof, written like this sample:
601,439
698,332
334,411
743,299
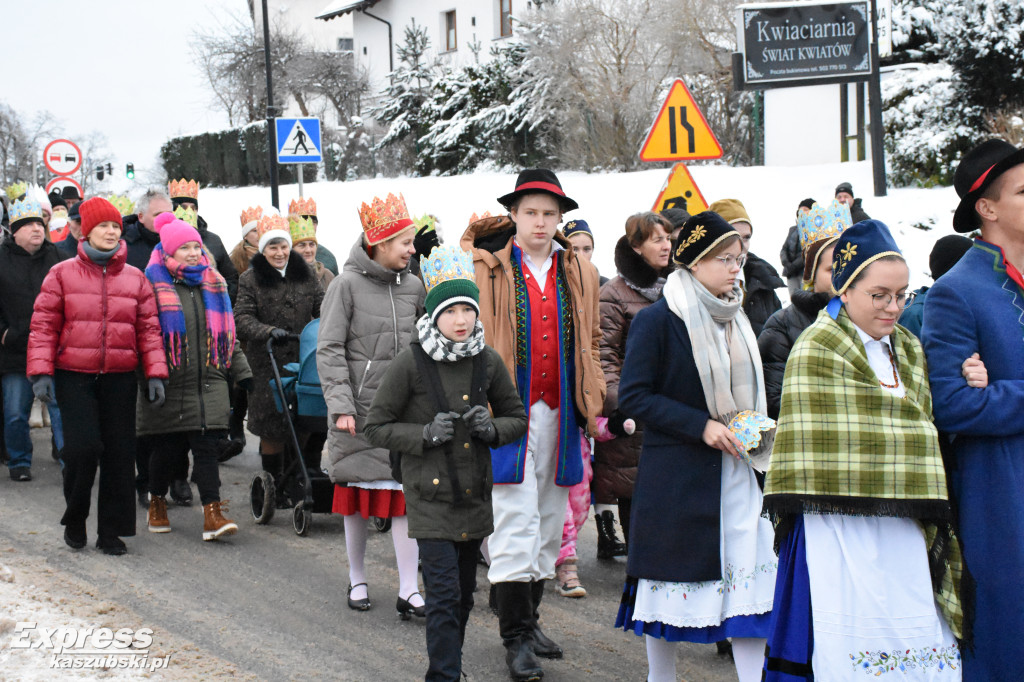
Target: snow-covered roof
339,7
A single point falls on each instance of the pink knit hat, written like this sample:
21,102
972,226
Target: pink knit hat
174,233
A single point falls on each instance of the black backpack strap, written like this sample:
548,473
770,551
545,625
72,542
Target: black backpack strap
478,396
432,378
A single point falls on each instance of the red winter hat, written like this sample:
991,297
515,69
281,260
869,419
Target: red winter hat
95,211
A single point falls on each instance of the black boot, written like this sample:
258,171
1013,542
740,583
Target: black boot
492,599
608,545
542,645
274,465
515,619
625,510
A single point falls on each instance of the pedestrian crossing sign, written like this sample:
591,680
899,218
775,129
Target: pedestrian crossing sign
298,140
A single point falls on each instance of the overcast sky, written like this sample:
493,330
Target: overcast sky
120,67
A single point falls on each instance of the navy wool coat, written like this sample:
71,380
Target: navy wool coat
674,529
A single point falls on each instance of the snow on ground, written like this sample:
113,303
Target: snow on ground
770,194
34,591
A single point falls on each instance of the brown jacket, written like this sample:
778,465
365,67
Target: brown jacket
616,461
490,242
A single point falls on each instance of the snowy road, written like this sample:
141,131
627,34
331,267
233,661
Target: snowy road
268,604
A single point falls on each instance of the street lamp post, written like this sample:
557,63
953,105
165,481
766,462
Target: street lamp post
271,151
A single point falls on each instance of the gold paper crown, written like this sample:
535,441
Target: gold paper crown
302,206
183,189
473,218
271,221
188,215
251,215
16,190
384,219
123,204
302,229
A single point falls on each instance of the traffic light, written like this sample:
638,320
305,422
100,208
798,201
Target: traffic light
130,171
99,172
110,169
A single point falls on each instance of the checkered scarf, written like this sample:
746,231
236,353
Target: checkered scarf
442,349
846,446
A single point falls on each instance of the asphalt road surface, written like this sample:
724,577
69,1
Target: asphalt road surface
273,605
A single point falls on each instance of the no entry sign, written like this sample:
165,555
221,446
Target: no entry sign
62,157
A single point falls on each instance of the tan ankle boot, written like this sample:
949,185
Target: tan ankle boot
215,525
158,522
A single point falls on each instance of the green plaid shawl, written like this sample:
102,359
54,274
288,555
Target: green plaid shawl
844,445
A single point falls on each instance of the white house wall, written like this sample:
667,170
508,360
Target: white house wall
475,21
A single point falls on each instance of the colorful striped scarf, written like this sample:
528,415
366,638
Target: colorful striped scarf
163,271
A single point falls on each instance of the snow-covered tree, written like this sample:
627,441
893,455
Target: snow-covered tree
987,51
400,107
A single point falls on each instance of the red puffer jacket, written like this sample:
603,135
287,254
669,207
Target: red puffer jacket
96,320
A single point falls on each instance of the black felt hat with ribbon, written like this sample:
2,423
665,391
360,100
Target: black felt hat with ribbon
538,180
977,171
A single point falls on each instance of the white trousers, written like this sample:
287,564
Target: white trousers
528,516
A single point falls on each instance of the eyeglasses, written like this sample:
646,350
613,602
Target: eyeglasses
729,260
882,301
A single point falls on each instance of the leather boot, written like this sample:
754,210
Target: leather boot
542,644
625,511
214,523
274,465
515,616
608,544
157,517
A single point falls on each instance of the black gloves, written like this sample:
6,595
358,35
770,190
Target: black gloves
245,384
157,392
616,424
279,334
481,426
42,388
441,430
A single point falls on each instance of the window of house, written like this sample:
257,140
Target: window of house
505,17
450,42
345,44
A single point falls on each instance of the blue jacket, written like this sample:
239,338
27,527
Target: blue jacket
912,318
977,308
674,529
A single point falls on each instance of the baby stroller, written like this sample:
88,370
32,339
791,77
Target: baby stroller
301,402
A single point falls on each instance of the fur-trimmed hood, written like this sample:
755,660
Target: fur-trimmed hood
631,266
267,276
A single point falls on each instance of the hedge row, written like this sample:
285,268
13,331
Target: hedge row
228,158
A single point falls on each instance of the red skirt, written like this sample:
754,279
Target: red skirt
383,504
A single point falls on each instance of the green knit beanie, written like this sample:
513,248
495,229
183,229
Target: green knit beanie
449,292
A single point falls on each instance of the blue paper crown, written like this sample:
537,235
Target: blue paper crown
445,263
22,211
823,222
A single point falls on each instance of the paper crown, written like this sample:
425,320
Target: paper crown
755,431
448,273
302,229
22,212
16,190
188,215
271,221
250,217
302,206
382,220
473,218
823,222
122,203
183,189
426,220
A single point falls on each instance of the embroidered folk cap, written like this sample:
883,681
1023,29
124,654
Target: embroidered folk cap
578,226
857,248
699,235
